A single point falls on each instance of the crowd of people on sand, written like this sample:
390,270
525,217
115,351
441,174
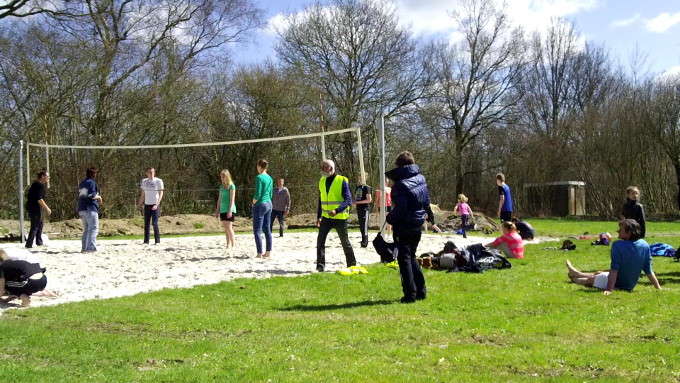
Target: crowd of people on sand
407,202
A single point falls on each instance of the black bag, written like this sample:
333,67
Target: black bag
383,248
481,258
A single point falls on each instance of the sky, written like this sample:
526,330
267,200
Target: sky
651,28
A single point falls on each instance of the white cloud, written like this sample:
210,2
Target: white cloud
662,22
428,17
626,22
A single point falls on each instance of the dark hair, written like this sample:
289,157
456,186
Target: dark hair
500,177
91,172
404,158
41,174
149,168
631,227
262,164
509,226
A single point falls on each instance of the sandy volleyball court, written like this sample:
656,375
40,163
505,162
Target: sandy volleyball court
127,267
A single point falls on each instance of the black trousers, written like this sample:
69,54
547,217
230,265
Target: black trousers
363,215
151,216
282,220
412,278
35,233
506,216
340,226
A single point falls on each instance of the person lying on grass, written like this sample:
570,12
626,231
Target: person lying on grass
20,279
510,242
629,256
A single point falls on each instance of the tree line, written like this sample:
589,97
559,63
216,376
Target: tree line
538,106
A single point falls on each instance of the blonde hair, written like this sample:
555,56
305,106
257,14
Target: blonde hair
462,198
631,189
227,175
507,225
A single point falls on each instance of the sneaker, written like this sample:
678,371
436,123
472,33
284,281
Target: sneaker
319,268
406,300
420,297
364,244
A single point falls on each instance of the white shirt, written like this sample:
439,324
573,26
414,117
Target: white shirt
152,188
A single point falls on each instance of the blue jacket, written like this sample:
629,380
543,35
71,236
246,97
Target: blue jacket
87,190
410,199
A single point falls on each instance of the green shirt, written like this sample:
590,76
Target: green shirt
264,186
225,199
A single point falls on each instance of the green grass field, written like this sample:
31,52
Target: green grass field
523,324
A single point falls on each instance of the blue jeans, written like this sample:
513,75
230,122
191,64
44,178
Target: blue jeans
151,217
262,218
90,221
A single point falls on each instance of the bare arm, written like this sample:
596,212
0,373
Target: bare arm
160,197
232,196
42,204
611,282
217,208
501,201
655,282
140,202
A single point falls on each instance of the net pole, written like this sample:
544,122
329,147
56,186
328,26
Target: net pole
381,136
28,164
47,163
21,190
362,173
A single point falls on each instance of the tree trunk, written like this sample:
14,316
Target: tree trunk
676,166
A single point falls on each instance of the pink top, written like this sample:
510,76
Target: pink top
463,208
514,243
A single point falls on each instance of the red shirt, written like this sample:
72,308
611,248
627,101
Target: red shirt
514,243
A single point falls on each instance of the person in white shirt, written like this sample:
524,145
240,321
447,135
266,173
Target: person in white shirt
150,199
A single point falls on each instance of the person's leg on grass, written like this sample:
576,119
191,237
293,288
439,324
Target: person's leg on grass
324,227
341,228
575,273
154,219
258,221
267,217
147,223
408,284
418,277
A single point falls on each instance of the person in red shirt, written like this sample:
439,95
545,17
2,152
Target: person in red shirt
510,242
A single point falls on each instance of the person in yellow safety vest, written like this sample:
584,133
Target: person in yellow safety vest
335,200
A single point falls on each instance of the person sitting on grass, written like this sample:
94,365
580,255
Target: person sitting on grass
526,231
629,256
20,279
510,243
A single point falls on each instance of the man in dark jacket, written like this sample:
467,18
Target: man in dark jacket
410,201
633,210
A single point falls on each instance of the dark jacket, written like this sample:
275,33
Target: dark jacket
633,210
410,199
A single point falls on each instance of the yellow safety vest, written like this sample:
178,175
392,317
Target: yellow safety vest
332,199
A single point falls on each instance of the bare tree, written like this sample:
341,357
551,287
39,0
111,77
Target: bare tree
664,112
474,79
355,51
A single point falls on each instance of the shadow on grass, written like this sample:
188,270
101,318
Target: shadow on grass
348,305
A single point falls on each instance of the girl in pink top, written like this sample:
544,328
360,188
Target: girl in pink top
463,210
510,242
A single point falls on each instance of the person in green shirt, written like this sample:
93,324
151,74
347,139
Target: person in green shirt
226,205
262,209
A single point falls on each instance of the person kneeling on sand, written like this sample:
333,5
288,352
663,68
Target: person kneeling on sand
20,279
510,242
629,256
